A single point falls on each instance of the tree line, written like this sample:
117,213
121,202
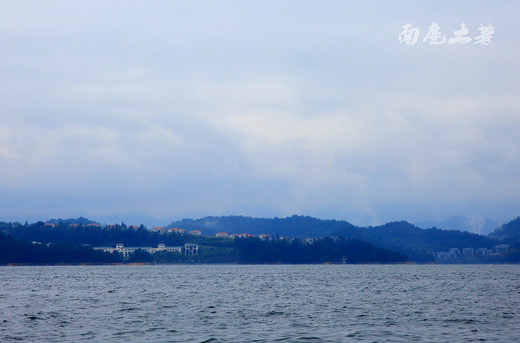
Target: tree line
67,244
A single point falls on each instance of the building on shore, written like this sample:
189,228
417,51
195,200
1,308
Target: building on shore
177,231
501,249
160,230
471,254
191,249
188,249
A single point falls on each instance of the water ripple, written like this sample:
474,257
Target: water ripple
260,303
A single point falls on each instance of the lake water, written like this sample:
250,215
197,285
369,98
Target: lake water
251,303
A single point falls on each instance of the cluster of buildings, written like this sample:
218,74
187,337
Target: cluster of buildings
241,235
175,230
180,231
188,249
470,253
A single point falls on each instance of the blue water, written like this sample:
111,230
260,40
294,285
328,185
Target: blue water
230,303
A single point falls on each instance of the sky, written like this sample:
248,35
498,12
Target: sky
152,111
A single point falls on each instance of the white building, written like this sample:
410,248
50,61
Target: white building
191,249
501,249
468,252
160,230
455,251
127,251
177,230
484,252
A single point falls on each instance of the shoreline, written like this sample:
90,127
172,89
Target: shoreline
247,264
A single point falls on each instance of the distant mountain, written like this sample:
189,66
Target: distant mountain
72,244
417,243
402,236
509,232
295,226
474,224
405,238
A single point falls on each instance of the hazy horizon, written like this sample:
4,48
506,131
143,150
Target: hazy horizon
476,224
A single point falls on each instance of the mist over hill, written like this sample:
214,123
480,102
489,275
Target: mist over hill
509,232
474,224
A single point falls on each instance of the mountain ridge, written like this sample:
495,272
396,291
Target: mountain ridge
416,242
400,236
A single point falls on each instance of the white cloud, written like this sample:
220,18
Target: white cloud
172,109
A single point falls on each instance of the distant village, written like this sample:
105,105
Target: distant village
470,254
188,249
179,231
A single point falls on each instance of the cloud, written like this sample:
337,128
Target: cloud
178,109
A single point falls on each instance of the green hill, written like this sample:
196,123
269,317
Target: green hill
509,232
418,244
295,226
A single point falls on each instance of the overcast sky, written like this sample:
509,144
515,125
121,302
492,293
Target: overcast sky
173,109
